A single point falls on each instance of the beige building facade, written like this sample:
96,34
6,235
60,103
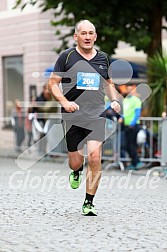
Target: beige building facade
27,42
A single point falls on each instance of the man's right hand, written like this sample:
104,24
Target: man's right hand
70,106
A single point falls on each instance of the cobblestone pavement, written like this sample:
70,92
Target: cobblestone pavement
42,214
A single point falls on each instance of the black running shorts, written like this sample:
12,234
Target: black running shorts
77,134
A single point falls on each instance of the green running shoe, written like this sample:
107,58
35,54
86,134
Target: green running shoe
75,179
88,209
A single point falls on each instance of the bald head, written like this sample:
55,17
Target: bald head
85,36
84,23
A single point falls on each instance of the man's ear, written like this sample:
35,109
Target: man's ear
75,36
95,37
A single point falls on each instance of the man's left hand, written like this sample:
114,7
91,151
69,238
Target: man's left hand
116,106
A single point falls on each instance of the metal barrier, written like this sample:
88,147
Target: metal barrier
161,170
51,135
43,137
151,152
7,141
56,145
111,148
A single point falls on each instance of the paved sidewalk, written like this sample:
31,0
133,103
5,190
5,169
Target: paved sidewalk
39,212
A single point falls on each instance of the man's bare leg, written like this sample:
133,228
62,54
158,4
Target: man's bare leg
75,159
94,167
76,164
93,176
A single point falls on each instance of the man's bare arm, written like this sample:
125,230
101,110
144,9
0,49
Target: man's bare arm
113,95
54,89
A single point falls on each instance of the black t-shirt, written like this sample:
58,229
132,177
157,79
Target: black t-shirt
83,82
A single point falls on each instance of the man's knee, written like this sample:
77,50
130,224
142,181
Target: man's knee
94,160
75,162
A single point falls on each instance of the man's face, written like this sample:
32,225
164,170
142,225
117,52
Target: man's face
86,36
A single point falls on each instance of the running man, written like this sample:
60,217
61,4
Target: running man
83,74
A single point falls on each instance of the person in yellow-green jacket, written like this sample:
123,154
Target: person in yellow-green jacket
131,119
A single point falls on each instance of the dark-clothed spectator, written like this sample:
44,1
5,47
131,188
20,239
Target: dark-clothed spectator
18,119
131,125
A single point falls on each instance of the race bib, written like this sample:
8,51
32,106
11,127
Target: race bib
88,81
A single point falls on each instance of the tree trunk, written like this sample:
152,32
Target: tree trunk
155,29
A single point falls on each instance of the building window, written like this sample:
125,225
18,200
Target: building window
13,82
